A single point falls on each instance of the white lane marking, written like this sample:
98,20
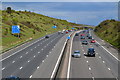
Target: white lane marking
43,61
41,43
96,53
20,56
89,68
13,61
20,67
3,68
26,53
35,47
99,56
31,49
82,49
108,68
38,52
93,78
44,46
42,49
103,61
38,45
49,52
28,61
87,61
46,55
85,57
108,51
30,76
34,56
38,67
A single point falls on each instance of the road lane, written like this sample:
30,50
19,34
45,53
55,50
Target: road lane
29,59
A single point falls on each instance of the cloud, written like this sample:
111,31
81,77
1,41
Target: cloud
60,0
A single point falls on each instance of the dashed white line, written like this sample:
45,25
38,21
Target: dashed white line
30,76
43,61
35,47
38,67
82,49
108,68
49,52
99,56
20,56
46,55
38,52
20,67
34,56
28,61
31,49
13,61
26,53
96,53
42,49
103,61
89,68
87,61
3,68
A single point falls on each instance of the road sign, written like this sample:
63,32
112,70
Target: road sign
73,28
15,29
54,26
68,37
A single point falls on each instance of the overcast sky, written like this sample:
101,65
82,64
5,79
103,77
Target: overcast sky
91,13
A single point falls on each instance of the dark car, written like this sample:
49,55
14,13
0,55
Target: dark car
91,52
12,78
46,36
76,34
82,37
84,42
90,37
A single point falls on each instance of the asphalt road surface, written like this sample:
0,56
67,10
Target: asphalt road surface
24,62
103,65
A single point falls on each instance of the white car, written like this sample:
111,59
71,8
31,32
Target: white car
76,54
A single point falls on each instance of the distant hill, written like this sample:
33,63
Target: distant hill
109,30
32,26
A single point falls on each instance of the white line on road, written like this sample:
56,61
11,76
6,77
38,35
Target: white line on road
89,68
87,61
43,61
30,76
38,52
46,55
26,53
31,49
103,61
13,61
99,56
20,67
108,51
108,68
35,47
20,56
28,61
42,49
3,68
34,56
38,67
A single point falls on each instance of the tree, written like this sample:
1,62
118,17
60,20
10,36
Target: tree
9,10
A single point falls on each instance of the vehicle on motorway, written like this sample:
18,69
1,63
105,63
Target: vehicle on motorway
93,41
91,52
84,42
77,34
12,78
90,37
76,54
82,34
46,36
82,37
59,32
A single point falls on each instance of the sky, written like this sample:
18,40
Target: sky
90,13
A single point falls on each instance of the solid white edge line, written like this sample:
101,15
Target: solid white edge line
52,76
108,51
30,76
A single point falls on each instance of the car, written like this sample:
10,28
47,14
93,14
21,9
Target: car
82,34
90,37
12,78
84,42
91,52
46,36
66,32
76,54
93,41
76,34
82,37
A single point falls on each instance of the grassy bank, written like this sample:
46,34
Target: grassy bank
109,30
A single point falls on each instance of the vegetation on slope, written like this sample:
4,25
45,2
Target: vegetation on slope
109,30
32,26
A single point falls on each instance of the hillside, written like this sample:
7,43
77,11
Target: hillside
32,26
109,30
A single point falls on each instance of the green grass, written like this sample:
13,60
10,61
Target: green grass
109,31
32,25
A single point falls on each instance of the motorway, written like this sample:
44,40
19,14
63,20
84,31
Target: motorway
40,58
24,62
103,65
